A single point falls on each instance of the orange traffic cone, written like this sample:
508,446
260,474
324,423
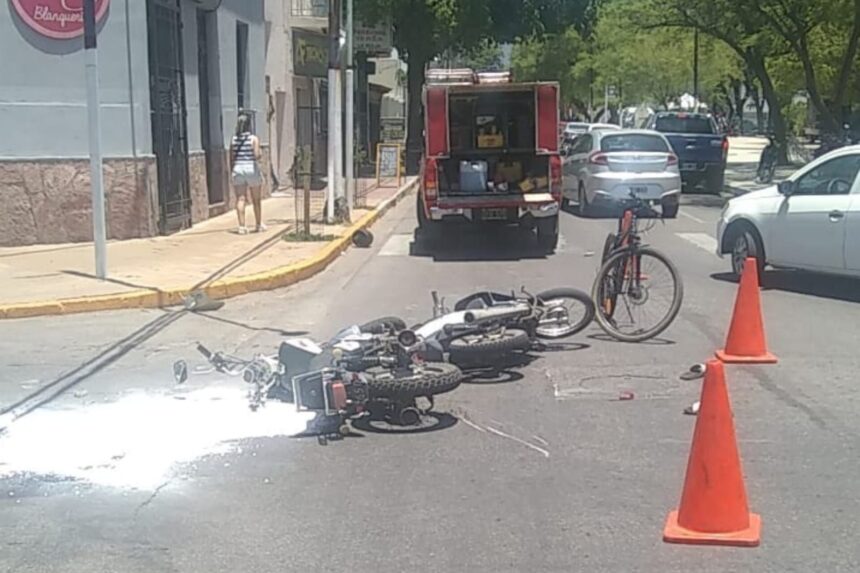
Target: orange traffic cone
713,508
746,343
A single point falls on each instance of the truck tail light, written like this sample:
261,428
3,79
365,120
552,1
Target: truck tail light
555,175
598,158
725,147
431,181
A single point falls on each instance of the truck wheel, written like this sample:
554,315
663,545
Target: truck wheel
547,233
428,229
670,211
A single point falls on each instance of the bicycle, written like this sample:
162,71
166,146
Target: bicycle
630,278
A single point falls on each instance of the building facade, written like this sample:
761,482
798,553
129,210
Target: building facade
173,76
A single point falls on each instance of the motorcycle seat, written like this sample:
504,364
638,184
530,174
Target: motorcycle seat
484,299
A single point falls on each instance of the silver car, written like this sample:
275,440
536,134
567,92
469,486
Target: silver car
603,168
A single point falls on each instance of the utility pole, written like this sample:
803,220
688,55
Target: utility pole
95,135
696,66
350,108
335,157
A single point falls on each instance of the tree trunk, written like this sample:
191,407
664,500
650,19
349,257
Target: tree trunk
827,118
848,60
417,60
755,62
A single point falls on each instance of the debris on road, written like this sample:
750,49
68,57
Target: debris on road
80,393
695,372
692,409
199,301
626,395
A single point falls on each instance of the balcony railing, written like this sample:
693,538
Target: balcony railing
310,8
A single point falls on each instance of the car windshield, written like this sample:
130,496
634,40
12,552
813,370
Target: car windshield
633,142
696,124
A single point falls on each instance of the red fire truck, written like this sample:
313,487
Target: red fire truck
491,153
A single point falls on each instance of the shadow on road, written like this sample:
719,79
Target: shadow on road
653,342
432,422
483,243
801,282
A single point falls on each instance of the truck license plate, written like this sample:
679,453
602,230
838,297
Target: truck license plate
639,190
688,167
494,214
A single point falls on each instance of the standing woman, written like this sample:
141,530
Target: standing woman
245,157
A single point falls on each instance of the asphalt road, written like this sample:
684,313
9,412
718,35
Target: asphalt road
547,471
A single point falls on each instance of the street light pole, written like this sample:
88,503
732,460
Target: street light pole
350,109
696,66
334,110
96,173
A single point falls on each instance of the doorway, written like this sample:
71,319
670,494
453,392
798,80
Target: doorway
168,114
210,127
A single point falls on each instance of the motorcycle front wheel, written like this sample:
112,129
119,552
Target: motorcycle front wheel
564,312
487,345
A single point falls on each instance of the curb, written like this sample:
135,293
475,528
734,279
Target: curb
221,289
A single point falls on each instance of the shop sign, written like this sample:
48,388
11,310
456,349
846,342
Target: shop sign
310,54
57,19
376,40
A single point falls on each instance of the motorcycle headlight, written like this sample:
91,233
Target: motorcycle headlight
337,354
407,338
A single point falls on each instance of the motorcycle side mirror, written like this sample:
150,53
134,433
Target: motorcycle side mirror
180,371
785,188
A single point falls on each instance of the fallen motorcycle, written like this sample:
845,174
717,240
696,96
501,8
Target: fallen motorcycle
365,374
486,325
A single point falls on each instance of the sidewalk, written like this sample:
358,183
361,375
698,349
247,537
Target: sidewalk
742,164
161,271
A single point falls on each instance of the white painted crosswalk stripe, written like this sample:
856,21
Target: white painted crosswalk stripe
701,240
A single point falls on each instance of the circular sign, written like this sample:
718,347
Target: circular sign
57,19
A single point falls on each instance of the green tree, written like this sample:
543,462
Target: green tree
558,57
485,56
808,26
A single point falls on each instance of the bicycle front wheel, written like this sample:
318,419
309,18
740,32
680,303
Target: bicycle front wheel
637,294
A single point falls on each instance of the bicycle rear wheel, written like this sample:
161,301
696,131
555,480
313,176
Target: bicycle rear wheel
637,294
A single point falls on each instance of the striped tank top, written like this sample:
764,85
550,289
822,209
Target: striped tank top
243,149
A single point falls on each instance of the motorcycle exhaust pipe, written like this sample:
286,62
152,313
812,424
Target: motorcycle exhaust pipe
493,314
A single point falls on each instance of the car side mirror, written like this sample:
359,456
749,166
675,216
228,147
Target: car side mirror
785,188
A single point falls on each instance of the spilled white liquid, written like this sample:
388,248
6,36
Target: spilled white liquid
135,441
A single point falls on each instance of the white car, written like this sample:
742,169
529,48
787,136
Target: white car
603,126
811,221
604,167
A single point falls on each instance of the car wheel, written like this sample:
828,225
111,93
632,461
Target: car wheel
670,211
584,207
745,244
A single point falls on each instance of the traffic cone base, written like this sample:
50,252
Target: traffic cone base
749,537
764,358
745,343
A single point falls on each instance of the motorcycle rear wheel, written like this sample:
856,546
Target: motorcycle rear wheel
428,379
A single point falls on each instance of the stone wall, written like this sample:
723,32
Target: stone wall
50,201
197,187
